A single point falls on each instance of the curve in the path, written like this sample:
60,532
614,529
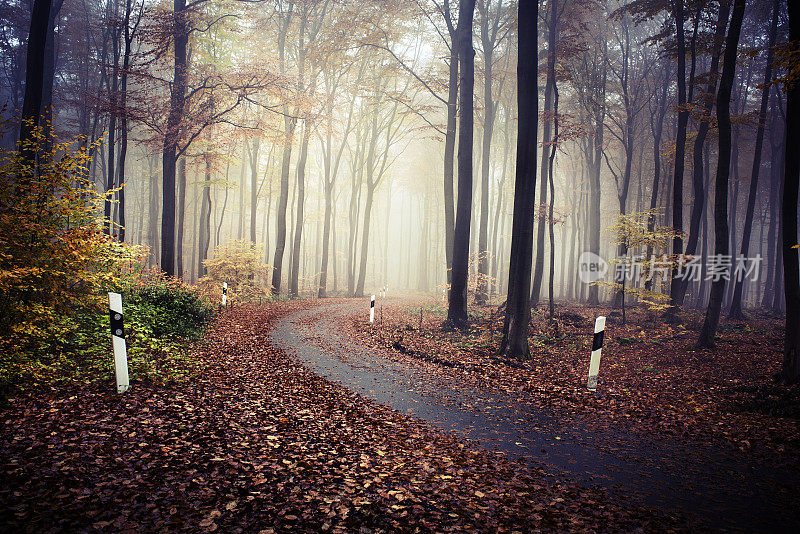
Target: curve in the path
715,489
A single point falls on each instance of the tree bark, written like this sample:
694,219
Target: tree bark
34,81
457,310
518,311
791,349
180,33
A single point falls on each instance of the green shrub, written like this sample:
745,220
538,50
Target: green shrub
165,311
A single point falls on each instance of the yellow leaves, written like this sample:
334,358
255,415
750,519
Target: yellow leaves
55,261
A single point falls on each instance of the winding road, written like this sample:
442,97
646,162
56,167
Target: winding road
715,489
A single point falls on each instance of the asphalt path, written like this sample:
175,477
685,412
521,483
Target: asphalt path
721,489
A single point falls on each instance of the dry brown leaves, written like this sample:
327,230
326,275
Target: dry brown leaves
256,443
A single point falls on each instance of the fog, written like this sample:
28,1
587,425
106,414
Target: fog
328,134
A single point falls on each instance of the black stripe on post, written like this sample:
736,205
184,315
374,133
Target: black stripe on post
597,343
117,328
372,304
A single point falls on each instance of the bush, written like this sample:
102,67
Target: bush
166,310
56,268
239,264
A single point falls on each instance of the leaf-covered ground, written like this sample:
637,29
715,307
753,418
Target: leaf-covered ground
257,443
651,377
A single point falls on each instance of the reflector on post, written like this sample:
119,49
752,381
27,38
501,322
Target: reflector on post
597,348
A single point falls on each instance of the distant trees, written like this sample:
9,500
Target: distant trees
316,128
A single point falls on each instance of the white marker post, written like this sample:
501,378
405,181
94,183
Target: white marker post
372,309
444,296
597,348
118,338
224,293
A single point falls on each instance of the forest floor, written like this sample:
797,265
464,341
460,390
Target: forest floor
709,434
257,442
651,376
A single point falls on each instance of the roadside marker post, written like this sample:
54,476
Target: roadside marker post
444,296
372,309
597,348
224,293
118,339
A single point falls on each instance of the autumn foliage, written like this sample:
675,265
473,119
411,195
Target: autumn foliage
56,267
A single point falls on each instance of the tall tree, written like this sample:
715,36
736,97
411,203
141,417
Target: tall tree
736,302
679,286
791,271
177,101
680,150
457,309
491,26
518,311
34,79
708,333
538,270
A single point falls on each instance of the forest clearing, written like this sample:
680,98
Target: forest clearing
399,266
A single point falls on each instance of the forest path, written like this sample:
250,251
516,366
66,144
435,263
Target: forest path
715,489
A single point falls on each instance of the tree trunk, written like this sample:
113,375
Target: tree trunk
49,73
113,90
289,124
283,199
736,303
518,311
205,221
180,34
362,271
457,310
791,349
680,285
123,143
294,291
772,237
254,153
721,236
680,150
538,269
153,201
656,129
552,191
34,81
449,153
181,217
490,110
